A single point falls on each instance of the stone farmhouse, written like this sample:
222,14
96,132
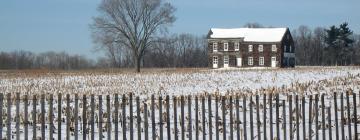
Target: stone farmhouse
250,47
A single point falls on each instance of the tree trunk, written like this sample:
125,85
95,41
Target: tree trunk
137,63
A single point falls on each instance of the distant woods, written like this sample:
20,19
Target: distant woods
335,45
184,50
47,60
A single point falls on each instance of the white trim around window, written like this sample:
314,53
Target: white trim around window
215,47
237,46
226,59
261,48
261,61
273,48
250,48
226,46
250,61
215,59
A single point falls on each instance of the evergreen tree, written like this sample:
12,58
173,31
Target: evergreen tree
332,35
345,44
331,40
344,35
339,44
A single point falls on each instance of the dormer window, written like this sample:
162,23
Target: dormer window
250,48
237,46
215,48
226,46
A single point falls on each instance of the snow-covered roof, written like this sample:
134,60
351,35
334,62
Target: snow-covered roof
250,34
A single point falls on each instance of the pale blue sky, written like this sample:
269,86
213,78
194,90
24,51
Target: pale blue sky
63,25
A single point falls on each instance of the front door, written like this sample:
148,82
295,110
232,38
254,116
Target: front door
215,62
226,61
273,61
238,62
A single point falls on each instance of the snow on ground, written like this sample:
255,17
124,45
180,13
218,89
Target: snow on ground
176,82
304,80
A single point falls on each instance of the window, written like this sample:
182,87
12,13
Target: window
226,59
287,48
250,48
290,48
273,58
215,60
237,46
215,49
250,61
226,46
261,48
261,61
273,48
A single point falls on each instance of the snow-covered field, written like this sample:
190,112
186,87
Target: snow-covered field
194,82
190,82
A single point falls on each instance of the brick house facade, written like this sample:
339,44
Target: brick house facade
250,47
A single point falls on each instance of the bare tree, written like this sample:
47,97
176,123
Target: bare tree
253,25
133,24
183,50
185,42
318,54
303,39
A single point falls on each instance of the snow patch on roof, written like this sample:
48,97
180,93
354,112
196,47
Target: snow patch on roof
250,34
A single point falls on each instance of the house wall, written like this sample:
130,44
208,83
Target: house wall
245,54
283,52
288,50
267,54
220,53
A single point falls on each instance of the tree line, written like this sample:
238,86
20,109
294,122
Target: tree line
335,45
184,50
47,60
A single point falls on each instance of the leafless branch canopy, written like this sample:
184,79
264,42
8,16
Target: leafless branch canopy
131,23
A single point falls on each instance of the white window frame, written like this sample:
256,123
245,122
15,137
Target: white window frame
261,61
250,61
261,48
215,60
226,46
215,46
237,46
273,48
226,59
250,48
